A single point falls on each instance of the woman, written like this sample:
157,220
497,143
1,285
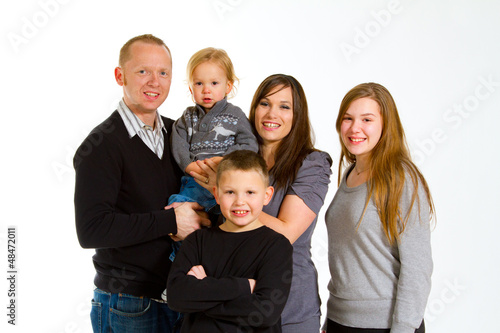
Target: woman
300,176
378,222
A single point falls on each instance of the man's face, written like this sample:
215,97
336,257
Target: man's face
145,77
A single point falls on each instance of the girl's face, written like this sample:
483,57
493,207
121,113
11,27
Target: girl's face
210,85
361,127
274,115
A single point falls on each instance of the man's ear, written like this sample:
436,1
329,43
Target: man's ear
119,77
269,195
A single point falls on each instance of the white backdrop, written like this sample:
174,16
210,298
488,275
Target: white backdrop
439,59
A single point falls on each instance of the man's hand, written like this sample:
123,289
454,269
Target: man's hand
189,216
198,272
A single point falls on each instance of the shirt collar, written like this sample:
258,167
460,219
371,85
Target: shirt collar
133,123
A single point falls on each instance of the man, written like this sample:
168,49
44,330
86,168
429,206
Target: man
124,175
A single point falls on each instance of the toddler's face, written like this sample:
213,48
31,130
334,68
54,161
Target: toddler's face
209,85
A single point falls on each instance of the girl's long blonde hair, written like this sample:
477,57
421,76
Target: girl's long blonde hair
390,162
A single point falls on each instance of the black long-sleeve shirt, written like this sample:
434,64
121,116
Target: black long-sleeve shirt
121,190
222,302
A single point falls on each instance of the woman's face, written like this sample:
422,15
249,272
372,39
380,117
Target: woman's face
361,127
274,115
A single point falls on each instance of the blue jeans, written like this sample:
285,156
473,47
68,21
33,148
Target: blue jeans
122,313
191,191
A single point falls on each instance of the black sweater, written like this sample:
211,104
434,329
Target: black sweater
120,192
222,301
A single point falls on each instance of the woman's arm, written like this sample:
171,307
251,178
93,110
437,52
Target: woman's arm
293,219
303,199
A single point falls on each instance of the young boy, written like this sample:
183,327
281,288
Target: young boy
235,277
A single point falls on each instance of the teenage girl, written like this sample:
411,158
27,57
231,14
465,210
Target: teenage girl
378,222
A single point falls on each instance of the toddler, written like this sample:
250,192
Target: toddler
211,128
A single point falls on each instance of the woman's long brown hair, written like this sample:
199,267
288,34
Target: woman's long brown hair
299,142
390,162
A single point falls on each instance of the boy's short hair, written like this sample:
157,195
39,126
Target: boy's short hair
244,160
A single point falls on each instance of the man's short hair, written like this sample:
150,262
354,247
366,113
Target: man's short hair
147,38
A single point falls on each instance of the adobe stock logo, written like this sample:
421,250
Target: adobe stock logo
32,25
455,116
448,295
224,6
373,28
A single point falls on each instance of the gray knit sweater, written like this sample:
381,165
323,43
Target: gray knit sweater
198,135
374,284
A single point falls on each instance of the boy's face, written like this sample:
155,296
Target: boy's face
241,196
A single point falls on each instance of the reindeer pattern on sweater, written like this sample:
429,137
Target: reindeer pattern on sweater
198,135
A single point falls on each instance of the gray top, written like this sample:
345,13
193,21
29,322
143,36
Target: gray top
198,135
311,185
374,284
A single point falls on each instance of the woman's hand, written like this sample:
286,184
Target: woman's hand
193,167
209,168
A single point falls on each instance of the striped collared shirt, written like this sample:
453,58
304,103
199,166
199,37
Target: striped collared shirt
153,138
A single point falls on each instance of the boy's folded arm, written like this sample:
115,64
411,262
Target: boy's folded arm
186,293
269,297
